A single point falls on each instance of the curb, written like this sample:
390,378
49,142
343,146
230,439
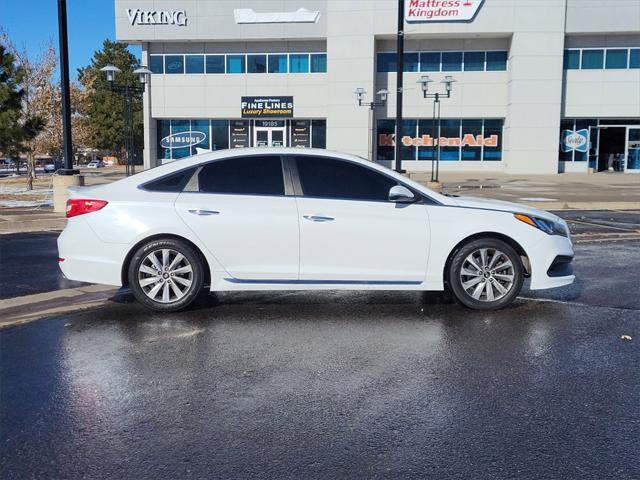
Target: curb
22,226
21,310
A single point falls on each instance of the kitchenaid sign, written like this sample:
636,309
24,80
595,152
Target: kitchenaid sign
425,11
157,17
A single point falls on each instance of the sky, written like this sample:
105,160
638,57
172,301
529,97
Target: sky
32,24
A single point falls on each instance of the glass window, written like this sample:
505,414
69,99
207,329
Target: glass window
449,140
178,126
219,134
319,133
174,182
236,64
426,130
156,63
471,148
617,58
592,59
385,133
278,63
571,59
387,62
174,64
430,62
564,126
164,130
194,63
201,126
329,178
256,64
493,140
411,62
634,58
473,61
409,129
318,62
581,126
451,61
215,64
255,175
298,63
496,61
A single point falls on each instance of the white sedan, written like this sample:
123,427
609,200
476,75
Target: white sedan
292,219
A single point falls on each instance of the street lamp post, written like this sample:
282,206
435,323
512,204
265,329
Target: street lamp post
360,93
129,93
424,82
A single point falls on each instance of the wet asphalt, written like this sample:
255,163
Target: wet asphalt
335,385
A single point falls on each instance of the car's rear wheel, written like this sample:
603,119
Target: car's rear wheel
166,275
486,274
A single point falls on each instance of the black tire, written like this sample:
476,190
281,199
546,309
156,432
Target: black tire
486,279
195,276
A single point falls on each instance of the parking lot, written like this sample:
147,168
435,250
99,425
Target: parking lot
335,384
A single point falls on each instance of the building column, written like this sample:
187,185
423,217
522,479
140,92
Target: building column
532,126
350,54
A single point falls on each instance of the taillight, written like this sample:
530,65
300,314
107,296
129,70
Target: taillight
77,207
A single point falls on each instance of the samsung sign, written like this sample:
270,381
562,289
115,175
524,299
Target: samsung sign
157,17
183,139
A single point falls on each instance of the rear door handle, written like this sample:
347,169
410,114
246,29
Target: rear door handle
318,218
199,211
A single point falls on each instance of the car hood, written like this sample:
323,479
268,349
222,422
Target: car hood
490,204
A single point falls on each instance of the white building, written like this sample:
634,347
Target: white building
534,79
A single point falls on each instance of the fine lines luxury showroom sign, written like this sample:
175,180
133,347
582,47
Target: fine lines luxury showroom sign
267,107
423,11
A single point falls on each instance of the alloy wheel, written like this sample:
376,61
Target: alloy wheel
165,275
487,274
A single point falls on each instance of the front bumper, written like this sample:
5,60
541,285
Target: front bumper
551,263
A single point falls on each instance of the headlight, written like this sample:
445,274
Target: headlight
547,226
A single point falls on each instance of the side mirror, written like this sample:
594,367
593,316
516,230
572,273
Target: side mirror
400,194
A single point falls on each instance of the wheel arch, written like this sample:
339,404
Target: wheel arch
494,235
161,236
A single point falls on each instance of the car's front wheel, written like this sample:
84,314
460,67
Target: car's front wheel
486,274
166,275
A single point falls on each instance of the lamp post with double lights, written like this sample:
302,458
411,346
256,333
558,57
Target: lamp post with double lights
360,93
424,82
129,93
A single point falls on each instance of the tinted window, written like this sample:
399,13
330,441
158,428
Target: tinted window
634,58
156,63
572,59
451,61
215,63
256,63
496,61
171,183
329,178
318,62
235,64
387,62
277,63
411,62
592,59
617,59
195,63
298,63
430,62
473,61
174,64
258,175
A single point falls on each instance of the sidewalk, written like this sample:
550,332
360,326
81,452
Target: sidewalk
568,191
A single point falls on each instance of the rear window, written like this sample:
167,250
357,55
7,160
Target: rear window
254,175
174,182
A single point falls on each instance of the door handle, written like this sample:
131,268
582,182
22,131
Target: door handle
318,218
204,212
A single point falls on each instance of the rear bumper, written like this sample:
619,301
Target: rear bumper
87,258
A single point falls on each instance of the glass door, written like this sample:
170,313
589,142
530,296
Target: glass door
632,163
269,137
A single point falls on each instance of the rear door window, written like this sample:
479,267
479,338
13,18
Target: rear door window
254,175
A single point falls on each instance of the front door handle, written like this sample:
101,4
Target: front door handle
199,211
318,218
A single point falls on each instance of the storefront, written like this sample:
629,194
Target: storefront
559,92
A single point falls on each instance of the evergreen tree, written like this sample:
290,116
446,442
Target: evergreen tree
104,109
16,129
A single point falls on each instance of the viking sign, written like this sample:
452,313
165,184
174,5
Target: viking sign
183,139
267,107
157,17
426,11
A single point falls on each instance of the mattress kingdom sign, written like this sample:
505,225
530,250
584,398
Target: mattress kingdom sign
427,11
267,107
